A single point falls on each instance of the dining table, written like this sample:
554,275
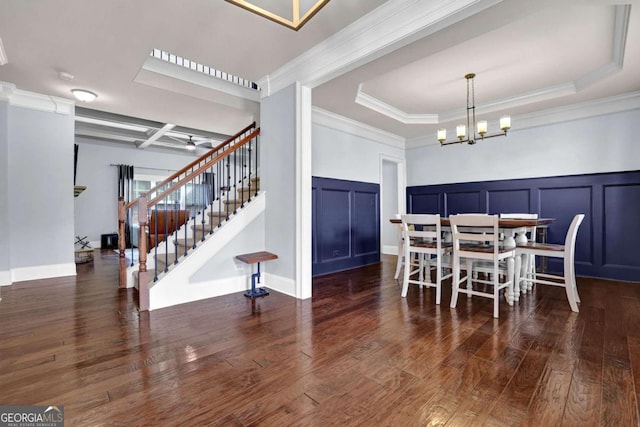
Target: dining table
514,231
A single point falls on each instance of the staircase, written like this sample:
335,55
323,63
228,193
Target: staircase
187,218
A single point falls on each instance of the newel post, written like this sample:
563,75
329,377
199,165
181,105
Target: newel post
122,243
143,282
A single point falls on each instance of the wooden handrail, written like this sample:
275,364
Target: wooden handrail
203,168
192,164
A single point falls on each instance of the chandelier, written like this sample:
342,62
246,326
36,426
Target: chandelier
289,13
480,129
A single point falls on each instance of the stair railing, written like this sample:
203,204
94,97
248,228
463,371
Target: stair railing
172,217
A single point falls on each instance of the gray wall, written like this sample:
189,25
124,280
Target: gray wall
5,264
224,265
340,155
277,164
40,183
96,209
607,143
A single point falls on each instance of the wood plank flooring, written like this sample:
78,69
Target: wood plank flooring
355,354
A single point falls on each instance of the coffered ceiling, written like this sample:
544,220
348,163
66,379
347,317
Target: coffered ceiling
395,65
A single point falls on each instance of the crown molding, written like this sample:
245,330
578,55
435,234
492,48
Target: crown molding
35,101
392,25
621,24
583,110
353,127
382,107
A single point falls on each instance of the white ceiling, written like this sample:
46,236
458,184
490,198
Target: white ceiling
528,56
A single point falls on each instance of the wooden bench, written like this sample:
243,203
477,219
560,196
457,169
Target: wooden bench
256,258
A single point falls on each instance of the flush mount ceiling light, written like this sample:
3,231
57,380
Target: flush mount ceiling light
84,95
285,12
481,125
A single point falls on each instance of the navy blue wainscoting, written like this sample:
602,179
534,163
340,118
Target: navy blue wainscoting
346,224
608,239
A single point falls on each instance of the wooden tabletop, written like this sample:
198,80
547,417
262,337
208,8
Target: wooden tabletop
503,222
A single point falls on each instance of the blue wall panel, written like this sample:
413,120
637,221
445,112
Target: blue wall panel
458,202
426,203
516,201
334,213
621,227
346,224
606,245
563,203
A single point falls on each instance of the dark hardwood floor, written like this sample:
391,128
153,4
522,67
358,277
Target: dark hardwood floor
356,354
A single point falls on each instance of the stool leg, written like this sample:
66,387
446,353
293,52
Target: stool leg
259,292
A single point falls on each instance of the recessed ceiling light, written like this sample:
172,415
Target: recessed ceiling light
84,95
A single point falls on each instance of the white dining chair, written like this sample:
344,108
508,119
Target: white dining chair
476,240
566,251
528,264
422,235
400,258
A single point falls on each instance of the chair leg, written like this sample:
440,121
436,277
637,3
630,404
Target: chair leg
496,291
399,263
407,273
438,278
511,278
570,284
455,281
470,276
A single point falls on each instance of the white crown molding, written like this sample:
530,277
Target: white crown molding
353,127
394,24
3,54
621,24
382,107
597,107
35,101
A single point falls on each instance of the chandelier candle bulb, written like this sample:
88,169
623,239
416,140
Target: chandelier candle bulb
461,131
482,127
442,134
505,123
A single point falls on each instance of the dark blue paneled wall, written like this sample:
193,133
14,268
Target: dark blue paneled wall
346,224
609,238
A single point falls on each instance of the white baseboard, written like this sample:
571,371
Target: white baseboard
5,278
43,272
390,249
95,244
281,284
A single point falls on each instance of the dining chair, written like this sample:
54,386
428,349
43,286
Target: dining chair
422,235
476,240
400,258
529,262
566,251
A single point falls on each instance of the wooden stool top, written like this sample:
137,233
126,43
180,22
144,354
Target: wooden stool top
255,257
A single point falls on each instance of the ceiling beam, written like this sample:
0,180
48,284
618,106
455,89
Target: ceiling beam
166,128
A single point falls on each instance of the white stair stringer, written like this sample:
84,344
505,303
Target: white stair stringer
132,270
174,287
